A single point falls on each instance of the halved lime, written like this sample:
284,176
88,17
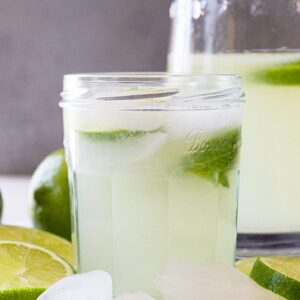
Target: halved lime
281,275
245,265
60,246
27,270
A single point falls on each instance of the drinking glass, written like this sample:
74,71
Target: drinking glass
259,39
153,164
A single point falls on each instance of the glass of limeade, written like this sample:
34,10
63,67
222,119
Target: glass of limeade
261,41
153,168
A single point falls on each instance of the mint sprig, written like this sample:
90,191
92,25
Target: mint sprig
214,157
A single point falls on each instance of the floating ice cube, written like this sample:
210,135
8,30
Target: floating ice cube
213,282
108,120
134,296
104,156
96,285
180,125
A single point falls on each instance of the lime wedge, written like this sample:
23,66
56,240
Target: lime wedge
214,157
27,270
60,246
281,275
285,74
115,135
245,265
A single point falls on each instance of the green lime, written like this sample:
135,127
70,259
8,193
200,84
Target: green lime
49,194
245,265
115,135
281,275
283,74
44,239
27,270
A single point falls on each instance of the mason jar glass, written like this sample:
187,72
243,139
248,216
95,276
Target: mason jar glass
260,39
153,168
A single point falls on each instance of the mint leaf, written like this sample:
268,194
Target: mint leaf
223,180
285,74
114,135
214,157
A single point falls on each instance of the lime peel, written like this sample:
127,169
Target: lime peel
281,275
117,135
21,293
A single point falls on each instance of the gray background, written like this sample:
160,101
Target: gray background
40,40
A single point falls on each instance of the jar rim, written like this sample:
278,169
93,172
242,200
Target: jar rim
92,90
139,77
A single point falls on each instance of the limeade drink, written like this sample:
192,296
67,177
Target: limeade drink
269,188
152,186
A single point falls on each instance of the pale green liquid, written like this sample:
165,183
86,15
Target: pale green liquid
270,160
136,210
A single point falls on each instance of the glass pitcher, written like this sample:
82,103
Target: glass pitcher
259,39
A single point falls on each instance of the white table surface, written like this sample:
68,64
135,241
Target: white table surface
16,210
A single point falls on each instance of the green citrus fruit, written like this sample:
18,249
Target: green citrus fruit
245,265
281,275
49,195
27,270
44,239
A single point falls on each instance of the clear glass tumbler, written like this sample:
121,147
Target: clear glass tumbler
153,165
259,39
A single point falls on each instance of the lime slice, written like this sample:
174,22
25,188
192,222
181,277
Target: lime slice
245,265
281,275
27,270
114,135
117,148
40,238
214,157
285,74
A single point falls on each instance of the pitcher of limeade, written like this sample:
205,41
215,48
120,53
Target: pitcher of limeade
261,41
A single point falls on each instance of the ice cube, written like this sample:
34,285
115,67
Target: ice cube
181,125
134,296
108,120
214,282
95,285
103,156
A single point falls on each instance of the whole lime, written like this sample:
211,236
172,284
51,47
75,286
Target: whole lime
49,195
